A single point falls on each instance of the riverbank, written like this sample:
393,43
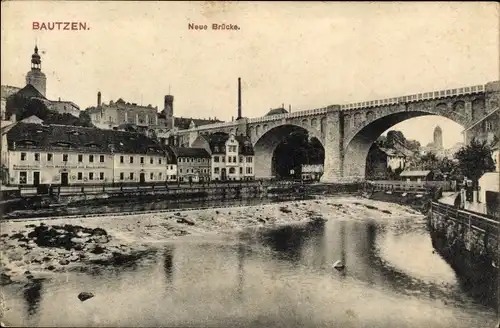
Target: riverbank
44,247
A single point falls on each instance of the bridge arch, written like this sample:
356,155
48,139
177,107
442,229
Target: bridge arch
357,145
266,144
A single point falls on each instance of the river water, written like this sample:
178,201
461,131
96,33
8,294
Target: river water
280,277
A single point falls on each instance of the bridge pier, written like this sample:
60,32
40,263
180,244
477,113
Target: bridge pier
333,142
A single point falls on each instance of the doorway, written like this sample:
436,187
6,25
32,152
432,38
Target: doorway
36,179
223,174
142,178
64,179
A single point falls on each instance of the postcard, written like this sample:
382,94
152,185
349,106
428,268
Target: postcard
249,164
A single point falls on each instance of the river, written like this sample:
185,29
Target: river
280,277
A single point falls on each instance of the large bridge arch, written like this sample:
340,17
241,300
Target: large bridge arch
266,144
358,144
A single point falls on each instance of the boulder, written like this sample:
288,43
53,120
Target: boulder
83,296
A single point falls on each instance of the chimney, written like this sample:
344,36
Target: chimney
239,98
283,105
99,98
289,108
232,118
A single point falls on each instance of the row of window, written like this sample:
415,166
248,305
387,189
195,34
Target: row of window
231,159
91,158
23,176
192,170
141,160
192,160
232,170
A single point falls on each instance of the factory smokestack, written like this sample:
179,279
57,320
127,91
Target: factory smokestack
99,98
239,99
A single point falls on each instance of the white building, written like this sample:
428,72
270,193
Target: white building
232,156
70,155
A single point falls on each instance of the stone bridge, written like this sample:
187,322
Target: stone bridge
348,131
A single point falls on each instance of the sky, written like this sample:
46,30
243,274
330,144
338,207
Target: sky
306,54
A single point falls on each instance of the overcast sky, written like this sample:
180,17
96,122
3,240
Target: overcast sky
305,54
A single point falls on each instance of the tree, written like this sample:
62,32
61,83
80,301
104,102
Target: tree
474,160
429,161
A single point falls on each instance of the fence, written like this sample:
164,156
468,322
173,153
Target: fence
476,221
409,185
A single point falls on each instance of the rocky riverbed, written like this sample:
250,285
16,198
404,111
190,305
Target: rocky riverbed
34,249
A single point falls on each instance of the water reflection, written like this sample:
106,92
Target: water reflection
281,277
32,295
168,264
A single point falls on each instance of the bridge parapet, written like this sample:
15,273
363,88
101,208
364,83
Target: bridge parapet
416,97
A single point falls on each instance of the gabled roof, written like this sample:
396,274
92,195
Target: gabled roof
191,152
184,122
30,91
81,139
217,142
276,111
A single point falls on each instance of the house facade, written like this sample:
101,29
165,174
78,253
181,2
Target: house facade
232,157
193,164
70,155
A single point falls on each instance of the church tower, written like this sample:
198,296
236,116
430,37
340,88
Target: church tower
36,77
168,111
438,138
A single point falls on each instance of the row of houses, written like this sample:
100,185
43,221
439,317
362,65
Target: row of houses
34,154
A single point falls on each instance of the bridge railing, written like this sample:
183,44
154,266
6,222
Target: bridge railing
476,221
415,97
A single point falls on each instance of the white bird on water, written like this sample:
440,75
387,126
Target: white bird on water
338,265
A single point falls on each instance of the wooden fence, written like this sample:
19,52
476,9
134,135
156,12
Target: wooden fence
477,221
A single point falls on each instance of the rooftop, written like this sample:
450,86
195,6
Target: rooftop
74,138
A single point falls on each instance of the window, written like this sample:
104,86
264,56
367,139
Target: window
80,175
159,176
101,158
49,157
249,170
101,176
249,159
37,157
232,170
216,170
489,126
91,158
234,159
121,159
229,159
216,159
65,157
80,158
241,159
131,176
122,176
159,160
91,176
151,176
241,170
131,159
151,160
23,156
180,170
142,160
199,160
223,159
